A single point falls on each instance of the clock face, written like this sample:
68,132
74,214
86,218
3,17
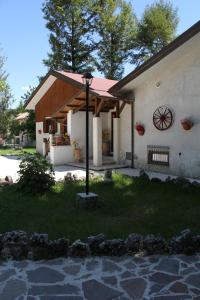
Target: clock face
163,118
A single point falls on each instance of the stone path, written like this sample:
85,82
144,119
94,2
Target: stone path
9,165
153,277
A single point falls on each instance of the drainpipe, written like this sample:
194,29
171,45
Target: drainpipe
132,133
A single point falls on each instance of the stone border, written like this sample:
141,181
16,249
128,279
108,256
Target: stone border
19,245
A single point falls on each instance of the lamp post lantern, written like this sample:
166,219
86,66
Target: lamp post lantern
87,80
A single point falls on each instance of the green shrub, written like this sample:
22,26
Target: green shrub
36,174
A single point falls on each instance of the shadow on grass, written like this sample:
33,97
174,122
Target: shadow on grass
129,205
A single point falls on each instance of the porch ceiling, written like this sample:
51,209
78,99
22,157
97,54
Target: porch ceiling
78,103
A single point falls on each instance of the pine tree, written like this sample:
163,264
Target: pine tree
70,25
116,26
156,29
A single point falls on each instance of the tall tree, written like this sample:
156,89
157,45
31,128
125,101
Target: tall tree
70,24
116,26
5,100
156,29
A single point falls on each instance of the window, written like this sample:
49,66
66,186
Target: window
49,124
158,155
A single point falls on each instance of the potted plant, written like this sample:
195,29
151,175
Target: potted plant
77,151
140,128
186,124
59,140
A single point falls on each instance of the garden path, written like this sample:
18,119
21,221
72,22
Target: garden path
102,278
9,165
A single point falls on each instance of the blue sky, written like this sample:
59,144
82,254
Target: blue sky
24,38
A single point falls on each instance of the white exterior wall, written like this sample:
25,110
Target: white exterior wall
76,129
179,77
60,155
125,132
40,137
97,141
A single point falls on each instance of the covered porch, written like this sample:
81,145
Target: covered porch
66,126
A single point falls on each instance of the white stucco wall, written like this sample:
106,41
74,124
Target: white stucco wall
125,131
179,77
76,129
60,155
40,137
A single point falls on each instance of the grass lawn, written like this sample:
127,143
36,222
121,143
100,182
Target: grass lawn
18,152
129,206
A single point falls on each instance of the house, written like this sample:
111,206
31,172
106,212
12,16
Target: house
166,92
151,117
59,102
22,139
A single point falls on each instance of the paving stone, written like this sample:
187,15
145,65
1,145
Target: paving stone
134,287
92,264
197,265
144,271
61,298
130,266
44,275
189,259
13,289
172,297
156,288
163,278
196,292
168,265
54,262
118,259
95,290
85,276
194,280
126,274
108,266
72,269
112,280
57,289
20,264
5,274
188,271
138,260
154,259
183,265
179,288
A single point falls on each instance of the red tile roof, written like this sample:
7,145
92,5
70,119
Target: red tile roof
99,85
22,116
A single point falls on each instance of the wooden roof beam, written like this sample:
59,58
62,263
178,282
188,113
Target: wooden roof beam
121,107
69,101
98,107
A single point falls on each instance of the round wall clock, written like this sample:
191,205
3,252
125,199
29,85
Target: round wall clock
163,118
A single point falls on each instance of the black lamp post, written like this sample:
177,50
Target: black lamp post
87,80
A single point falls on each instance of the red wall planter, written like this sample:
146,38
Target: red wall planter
186,124
140,129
